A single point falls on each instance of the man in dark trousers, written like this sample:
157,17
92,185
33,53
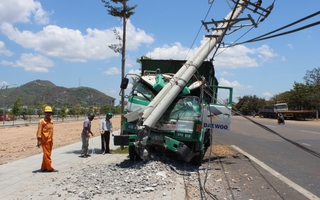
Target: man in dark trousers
85,135
280,118
105,130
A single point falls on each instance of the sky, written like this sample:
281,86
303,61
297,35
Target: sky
66,42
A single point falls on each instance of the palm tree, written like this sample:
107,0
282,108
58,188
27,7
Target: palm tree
124,12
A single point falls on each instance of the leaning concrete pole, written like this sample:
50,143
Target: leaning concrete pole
165,97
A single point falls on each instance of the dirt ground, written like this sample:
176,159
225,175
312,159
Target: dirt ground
19,142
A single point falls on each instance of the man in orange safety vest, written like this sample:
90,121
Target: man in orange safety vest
45,139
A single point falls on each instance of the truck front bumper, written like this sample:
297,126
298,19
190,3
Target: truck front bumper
170,144
178,147
124,140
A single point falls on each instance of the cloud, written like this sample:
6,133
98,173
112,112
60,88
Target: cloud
234,84
130,61
130,77
224,73
243,57
290,46
112,71
137,71
235,57
267,95
237,88
7,63
265,53
135,37
12,11
175,52
111,91
72,45
4,83
34,63
3,50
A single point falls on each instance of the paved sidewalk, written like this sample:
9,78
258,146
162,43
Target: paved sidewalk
23,179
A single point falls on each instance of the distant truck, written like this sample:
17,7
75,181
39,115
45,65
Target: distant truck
288,114
6,117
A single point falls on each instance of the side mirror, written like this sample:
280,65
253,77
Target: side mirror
124,83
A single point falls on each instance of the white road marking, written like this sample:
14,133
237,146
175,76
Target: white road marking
310,132
295,186
305,144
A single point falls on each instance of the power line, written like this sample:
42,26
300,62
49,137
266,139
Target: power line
265,36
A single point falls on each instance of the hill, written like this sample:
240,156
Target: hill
41,90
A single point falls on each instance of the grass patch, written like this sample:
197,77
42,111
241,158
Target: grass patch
125,150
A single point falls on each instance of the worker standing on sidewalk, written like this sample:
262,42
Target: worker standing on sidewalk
85,135
105,129
45,139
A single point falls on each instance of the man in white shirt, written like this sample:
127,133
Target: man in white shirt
105,130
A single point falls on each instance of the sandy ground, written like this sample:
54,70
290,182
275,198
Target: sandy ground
19,142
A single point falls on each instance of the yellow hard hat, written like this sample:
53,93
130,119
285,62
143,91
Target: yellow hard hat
48,109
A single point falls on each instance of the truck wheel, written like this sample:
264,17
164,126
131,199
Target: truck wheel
197,160
207,140
132,153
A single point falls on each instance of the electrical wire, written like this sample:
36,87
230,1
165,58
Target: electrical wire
274,189
284,33
249,160
226,177
268,129
225,31
258,21
265,36
276,133
208,164
195,38
291,24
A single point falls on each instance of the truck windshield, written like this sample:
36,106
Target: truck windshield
140,91
281,106
187,108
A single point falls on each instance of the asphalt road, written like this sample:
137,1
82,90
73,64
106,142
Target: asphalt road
292,162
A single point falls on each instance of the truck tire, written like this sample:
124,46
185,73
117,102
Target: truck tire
207,140
132,153
197,160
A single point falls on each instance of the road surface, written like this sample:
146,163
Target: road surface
297,165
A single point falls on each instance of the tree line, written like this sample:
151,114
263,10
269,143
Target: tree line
303,96
77,110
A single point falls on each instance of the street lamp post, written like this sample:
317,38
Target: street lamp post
3,108
3,87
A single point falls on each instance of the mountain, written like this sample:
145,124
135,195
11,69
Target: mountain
42,90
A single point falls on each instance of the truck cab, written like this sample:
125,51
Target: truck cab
185,127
